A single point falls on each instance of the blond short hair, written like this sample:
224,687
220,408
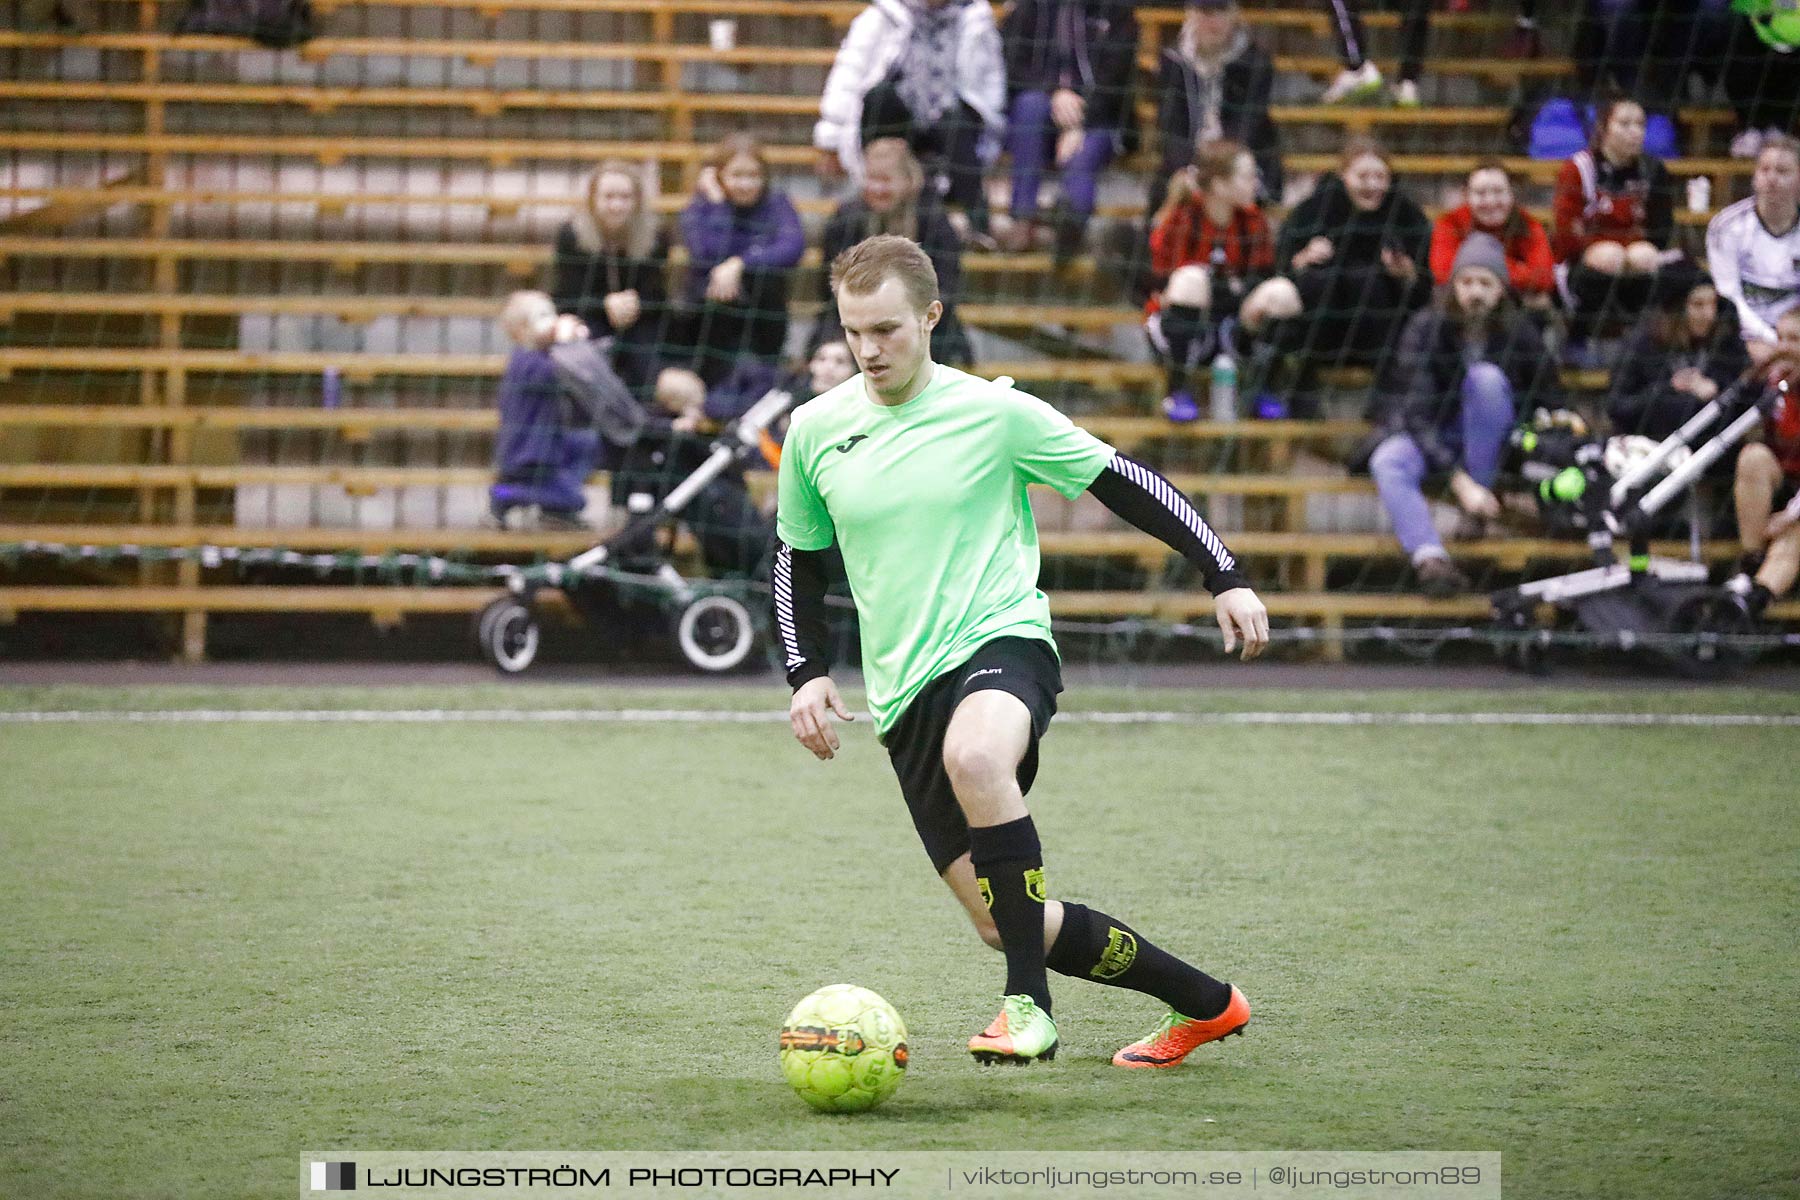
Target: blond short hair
864,267
519,308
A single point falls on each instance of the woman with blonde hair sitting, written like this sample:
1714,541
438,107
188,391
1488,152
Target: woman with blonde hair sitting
611,268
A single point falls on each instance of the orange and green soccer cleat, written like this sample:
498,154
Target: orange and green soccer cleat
1178,1036
1021,1033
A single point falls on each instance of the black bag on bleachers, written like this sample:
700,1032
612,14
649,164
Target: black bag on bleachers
276,23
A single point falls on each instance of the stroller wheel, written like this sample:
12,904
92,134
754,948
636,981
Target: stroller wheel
1713,621
509,635
1532,655
715,633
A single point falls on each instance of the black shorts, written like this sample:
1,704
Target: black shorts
1022,667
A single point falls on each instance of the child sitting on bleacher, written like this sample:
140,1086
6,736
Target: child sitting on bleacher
1209,246
1466,366
542,457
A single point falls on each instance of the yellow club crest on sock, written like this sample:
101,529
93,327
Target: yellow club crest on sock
1034,884
987,890
1121,951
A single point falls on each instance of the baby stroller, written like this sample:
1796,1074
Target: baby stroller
1638,602
625,583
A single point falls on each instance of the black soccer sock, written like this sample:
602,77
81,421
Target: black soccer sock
1009,868
1103,949
1759,599
1188,334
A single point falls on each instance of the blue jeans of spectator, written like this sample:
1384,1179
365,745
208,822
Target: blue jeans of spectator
1031,139
1400,469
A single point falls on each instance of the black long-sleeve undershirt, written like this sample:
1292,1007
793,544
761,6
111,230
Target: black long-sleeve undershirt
1135,492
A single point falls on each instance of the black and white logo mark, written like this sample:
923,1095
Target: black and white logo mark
844,446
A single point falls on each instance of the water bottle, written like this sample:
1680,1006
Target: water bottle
1699,194
1224,386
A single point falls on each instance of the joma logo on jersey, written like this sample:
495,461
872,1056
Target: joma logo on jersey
844,447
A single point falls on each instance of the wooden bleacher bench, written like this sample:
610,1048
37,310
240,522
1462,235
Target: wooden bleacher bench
1507,553
501,152
102,195
357,478
488,102
1330,608
364,368
1160,17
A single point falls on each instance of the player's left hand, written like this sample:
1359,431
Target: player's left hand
1240,613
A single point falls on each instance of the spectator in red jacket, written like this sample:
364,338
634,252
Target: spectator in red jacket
1614,221
1491,208
1209,245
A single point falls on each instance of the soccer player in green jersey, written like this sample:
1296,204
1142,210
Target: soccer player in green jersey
917,473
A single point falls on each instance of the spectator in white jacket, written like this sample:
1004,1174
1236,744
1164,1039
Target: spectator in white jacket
1753,247
928,71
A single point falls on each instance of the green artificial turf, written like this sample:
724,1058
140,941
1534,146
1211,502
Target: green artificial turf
227,943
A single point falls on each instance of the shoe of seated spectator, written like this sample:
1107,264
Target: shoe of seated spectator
1181,407
552,521
1438,576
1747,144
1352,86
1470,528
1523,42
1013,235
1406,94
1270,407
1068,235
968,234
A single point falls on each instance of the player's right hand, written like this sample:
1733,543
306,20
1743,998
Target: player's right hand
810,714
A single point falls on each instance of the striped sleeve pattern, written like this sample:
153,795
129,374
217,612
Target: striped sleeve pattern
1156,506
799,583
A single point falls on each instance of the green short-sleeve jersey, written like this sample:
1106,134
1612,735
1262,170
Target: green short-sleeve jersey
927,502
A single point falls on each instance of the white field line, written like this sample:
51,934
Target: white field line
653,716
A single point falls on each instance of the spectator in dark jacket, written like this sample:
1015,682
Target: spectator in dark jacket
1464,369
1355,260
1614,220
541,458
894,200
1069,67
743,239
612,269
1214,83
1685,351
